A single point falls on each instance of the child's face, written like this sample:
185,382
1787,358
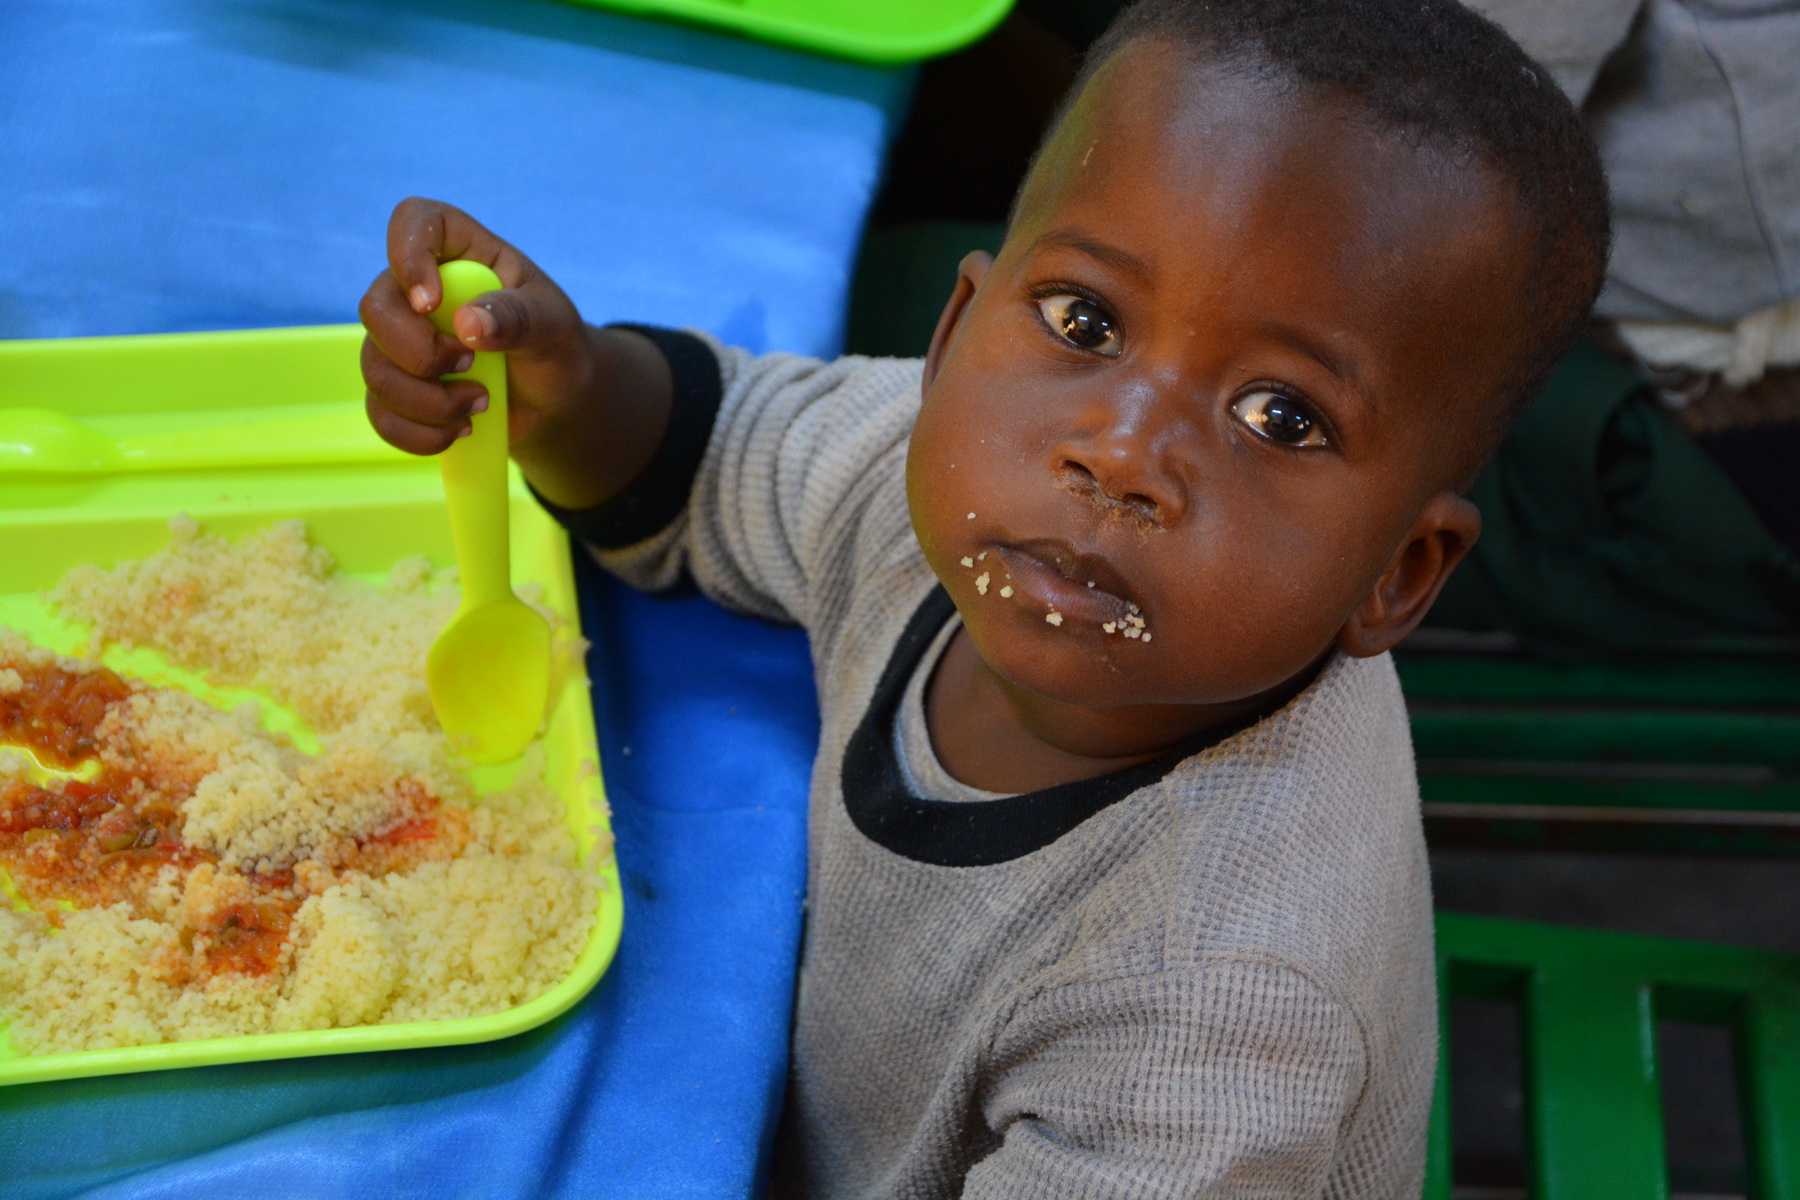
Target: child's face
1219,379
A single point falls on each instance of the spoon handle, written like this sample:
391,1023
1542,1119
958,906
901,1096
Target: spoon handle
43,441
337,433
474,467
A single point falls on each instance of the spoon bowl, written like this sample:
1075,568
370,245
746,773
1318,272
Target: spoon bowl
488,674
45,440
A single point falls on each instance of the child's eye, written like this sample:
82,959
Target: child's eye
1279,418
1081,322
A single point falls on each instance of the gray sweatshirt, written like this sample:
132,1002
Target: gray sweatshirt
1210,975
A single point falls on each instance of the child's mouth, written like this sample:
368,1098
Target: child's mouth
1085,589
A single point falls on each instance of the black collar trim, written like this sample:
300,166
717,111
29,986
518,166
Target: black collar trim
981,833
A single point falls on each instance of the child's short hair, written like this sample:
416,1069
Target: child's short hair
1438,73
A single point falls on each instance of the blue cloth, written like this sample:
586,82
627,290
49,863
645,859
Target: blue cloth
664,1082
218,164
194,164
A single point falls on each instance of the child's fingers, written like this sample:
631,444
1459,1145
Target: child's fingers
410,436
535,322
426,402
423,401
420,423
423,233
418,238
406,338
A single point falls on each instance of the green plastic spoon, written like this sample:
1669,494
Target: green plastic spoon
44,441
489,671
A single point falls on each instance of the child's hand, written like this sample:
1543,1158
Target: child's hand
550,359
587,407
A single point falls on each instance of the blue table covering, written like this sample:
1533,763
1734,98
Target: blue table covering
206,164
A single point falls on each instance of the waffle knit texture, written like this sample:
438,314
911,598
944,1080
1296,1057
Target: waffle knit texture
1220,984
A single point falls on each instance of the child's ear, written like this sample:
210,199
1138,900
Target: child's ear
969,274
1446,528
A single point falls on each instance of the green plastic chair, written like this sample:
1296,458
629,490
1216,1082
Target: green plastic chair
1686,755
1589,1003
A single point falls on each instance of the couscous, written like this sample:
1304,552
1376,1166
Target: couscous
186,873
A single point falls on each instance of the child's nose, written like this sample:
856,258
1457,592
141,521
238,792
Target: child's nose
1118,463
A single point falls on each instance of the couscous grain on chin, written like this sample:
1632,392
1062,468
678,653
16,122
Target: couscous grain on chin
202,876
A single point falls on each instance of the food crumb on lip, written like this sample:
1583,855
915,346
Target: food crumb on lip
971,516
1146,637
1054,617
967,561
1006,592
982,555
981,583
1109,627
1134,631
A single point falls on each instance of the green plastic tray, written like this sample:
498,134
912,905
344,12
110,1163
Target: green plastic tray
369,516
878,31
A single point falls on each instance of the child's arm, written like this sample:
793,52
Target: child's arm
588,406
1230,1077
746,472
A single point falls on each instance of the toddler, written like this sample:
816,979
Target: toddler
1117,885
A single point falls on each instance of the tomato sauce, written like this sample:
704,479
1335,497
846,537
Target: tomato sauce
58,711
105,840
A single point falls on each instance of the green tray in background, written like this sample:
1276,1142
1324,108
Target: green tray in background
877,31
369,516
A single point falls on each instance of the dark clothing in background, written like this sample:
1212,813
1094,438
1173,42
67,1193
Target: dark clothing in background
1607,528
